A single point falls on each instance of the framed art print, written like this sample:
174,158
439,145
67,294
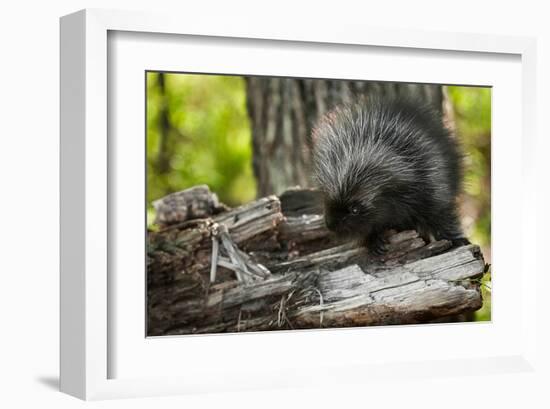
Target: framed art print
284,186
245,209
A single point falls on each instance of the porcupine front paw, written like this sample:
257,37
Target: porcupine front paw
376,245
462,241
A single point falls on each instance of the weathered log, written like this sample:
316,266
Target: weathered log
176,250
314,281
416,292
194,203
297,202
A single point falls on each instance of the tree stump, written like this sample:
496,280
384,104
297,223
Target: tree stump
276,266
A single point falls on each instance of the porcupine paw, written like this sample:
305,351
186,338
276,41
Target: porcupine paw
461,241
377,246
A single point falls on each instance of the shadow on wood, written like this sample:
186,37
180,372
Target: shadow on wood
286,271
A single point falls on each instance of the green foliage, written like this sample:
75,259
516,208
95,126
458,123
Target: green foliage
208,139
484,313
472,111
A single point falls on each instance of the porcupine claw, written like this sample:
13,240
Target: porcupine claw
377,246
460,242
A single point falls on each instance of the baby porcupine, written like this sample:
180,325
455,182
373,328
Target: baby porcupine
387,164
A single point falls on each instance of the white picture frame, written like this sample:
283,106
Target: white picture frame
93,335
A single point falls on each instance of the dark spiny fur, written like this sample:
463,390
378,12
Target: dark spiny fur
387,164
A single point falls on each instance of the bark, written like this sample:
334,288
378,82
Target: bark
287,272
283,112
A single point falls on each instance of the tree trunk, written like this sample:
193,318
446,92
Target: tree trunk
283,111
164,124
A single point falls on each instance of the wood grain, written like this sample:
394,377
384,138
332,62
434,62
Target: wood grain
299,275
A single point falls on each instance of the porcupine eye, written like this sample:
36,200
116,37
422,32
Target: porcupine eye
354,210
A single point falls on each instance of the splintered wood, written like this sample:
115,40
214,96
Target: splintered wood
253,269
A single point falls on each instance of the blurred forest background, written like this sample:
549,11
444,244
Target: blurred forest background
237,135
